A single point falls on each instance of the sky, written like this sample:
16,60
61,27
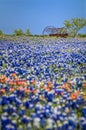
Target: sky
37,14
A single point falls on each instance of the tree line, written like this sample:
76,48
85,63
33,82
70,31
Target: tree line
72,26
18,32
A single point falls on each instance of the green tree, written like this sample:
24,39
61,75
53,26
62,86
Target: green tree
18,32
1,33
74,25
28,32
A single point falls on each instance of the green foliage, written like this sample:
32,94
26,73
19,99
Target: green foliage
28,32
18,32
74,25
82,35
1,33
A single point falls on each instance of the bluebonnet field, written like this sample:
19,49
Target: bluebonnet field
43,84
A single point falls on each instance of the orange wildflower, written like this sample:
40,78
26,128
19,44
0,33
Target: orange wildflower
34,91
34,82
67,86
11,89
14,75
27,90
21,83
3,91
47,89
12,82
84,84
50,84
3,79
75,95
